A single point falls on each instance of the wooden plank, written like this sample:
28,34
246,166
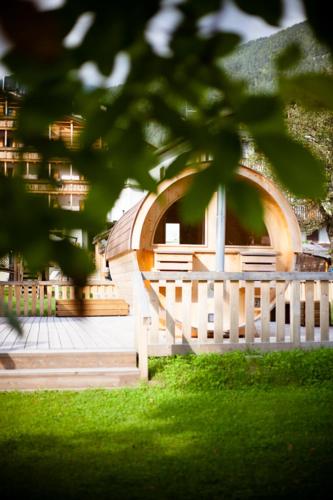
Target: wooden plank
174,266
49,300
101,312
33,300
72,292
2,295
237,276
309,310
18,299
173,257
155,313
295,312
280,311
202,311
26,301
170,311
258,267
265,311
186,309
249,311
41,300
218,311
10,298
324,311
255,259
234,311
64,292
92,302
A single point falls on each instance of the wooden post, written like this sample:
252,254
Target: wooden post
280,310
249,311
2,295
218,311
49,300
26,300
143,346
170,311
186,310
10,298
265,311
33,299
18,299
324,311
295,312
202,311
41,300
309,311
234,311
155,302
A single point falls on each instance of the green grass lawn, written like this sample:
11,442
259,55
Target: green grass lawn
205,427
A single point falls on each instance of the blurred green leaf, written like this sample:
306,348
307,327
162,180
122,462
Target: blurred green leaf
177,165
262,112
318,16
194,203
295,166
313,90
244,200
290,56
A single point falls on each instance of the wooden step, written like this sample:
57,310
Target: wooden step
69,378
68,359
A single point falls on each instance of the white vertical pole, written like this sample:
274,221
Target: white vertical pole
220,228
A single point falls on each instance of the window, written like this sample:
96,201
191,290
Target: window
237,235
314,236
172,230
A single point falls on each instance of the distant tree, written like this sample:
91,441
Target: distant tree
156,90
315,130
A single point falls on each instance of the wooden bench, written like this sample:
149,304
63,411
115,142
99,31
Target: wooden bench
91,307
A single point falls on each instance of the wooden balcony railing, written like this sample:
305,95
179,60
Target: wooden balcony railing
38,298
209,311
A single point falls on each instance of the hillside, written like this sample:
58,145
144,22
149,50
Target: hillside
254,61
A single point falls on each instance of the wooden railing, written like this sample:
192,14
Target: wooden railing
37,298
142,323
209,311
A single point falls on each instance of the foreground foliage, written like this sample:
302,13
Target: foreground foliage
176,439
158,89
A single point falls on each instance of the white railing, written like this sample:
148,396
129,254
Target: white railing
209,311
38,298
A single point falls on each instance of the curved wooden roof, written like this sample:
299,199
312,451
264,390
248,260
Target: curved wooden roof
119,240
126,233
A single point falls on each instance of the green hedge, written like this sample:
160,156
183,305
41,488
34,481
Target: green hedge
243,369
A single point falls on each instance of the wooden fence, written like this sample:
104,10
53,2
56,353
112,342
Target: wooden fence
37,298
210,311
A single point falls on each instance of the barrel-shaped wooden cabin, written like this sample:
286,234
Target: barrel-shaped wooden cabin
151,235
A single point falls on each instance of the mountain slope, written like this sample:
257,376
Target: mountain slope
254,61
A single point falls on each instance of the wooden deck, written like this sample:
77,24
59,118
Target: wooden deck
68,353
68,334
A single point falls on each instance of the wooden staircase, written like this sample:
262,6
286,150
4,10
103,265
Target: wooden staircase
68,370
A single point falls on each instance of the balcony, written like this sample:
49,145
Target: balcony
5,124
